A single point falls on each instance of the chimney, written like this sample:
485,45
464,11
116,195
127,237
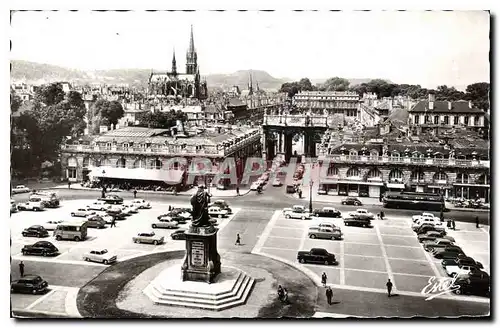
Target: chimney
449,105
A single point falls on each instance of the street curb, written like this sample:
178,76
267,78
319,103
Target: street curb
33,314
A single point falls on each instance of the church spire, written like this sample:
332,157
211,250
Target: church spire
174,63
250,83
191,56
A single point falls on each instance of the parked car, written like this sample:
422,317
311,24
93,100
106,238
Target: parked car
179,235
428,220
82,212
44,248
450,251
324,233
29,284
133,208
112,199
13,206
415,218
128,210
141,203
32,205
49,199
351,201
429,227
99,205
182,212
277,182
20,189
316,255
433,235
358,222
361,213
297,212
51,225
73,230
96,221
438,243
222,204
165,223
101,256
217,211
116,212
255,185
460,269
329,212
477,283
461,259
35,231
148,238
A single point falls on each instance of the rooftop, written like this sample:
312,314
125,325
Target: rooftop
460,106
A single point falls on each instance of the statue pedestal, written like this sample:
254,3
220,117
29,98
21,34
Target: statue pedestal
202,261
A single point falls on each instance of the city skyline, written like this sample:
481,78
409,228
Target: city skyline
300,44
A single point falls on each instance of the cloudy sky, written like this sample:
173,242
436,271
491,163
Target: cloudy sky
427,48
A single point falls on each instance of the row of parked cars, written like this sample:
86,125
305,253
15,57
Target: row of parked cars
468,273
37,201
360,217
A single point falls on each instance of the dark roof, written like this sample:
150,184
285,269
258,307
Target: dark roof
460,106
398,115
235,102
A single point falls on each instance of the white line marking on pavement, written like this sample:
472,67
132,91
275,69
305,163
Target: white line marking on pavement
399,236
59,314
49,260
279,248
386,259
484,230
274,236
434,268
405,293
305,235
334,315
376,271
267,231
70,303
342,264
282,227
41,299
381,243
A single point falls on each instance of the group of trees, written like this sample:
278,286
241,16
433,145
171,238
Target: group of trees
105,112
478,93
39,130
163,120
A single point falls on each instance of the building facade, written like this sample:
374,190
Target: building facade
163,155
343,103
456,165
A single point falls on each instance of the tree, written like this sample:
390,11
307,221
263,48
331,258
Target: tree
50,94
335,84
15,101
162,120
109,111
479,94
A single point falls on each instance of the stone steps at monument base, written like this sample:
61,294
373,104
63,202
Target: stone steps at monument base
219,305
202,295
165,295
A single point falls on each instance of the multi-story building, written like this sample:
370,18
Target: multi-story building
343,103
455,164
432,115
143,154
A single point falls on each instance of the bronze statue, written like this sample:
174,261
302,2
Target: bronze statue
200,202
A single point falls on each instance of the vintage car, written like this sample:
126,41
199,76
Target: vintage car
51,225
32,205
297,212
99,205
324,233
43,248
20,189
29,284
438,243
83,212
165,223
112,199
316,255
361,213
148,238
351,201
329,212
178,235
35,231
101,256
415,218
141,203
217,211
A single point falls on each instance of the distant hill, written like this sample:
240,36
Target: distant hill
351,81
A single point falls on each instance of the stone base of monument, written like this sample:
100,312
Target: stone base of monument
229,289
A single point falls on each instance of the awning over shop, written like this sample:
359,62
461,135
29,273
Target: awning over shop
167,176
439,187
396,185
368,183
471,185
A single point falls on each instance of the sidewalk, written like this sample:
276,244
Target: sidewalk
450,206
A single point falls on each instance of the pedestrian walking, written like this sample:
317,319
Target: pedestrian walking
329,295
477,222
103,192
69,184
237,191
323,279
238,240
135,193
113,222
300,193
285,295
21,269
281,293
389,287
453,224
382,215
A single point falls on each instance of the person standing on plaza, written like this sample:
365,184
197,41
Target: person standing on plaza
323,279
69,184
103,192
238,240
389,287
329,295
382,215
21,268
237,191
453,224
477,222
135,193
113,222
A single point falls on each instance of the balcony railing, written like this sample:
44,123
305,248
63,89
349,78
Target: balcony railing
296,120
403,160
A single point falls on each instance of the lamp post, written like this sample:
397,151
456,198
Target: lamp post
310,196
